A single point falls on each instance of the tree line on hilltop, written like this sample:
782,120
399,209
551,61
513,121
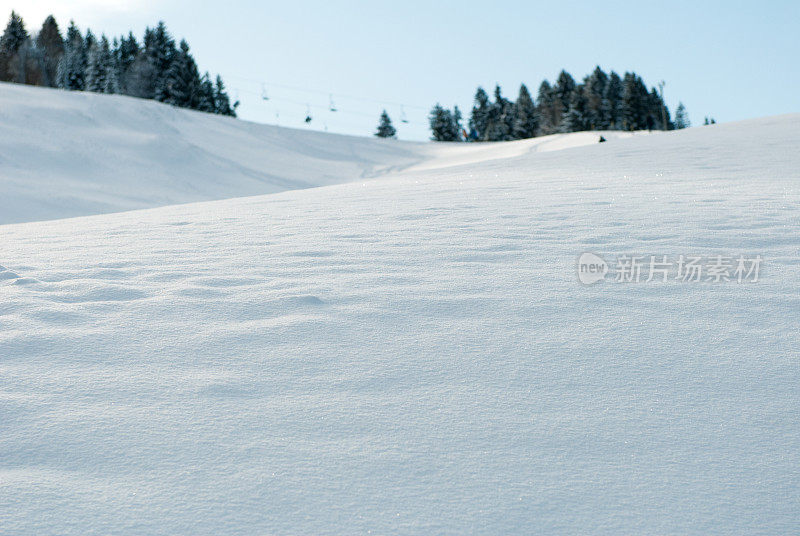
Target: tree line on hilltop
601,102
156,68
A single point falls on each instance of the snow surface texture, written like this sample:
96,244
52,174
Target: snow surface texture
66,154
415,354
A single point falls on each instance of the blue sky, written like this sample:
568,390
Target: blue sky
731,60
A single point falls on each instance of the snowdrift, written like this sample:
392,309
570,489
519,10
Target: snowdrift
66,154
410,355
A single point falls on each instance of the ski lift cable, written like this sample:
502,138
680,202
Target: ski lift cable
276,101
314,106
280,116
338,95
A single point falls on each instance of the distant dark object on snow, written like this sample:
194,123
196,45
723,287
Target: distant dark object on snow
601,140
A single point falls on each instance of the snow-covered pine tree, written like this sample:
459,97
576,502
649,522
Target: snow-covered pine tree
635,104
500,119
90,40
574,119
140,76
682,117
525,116
159,52
480,113
444,124
205,101
12,50
438,122
563,89
459,129
94,70
385,127
222,104
546,106
594,89
182,85
110,66
657,112
612,103
101,73
652,111
125,55
629,103
508,118
191,77
51,45
72,67
14,35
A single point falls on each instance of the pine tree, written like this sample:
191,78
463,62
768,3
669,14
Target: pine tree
101,73
459,129
563,89
480,113
444,124
33,60
526,121
548,112
612,103
574,119
110,65
14,35
72,67
159,50
222,104
629,103
681,117
140,76
385,127
94,70
51,44
500,119
635,103
90,40
205,101
594,92
125,55
182,85
13,52
657,113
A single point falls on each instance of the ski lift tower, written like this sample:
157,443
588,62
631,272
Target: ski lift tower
664,125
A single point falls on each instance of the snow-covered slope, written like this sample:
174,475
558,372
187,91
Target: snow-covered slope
415,355
66,154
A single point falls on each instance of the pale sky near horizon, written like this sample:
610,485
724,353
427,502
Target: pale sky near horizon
727,59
